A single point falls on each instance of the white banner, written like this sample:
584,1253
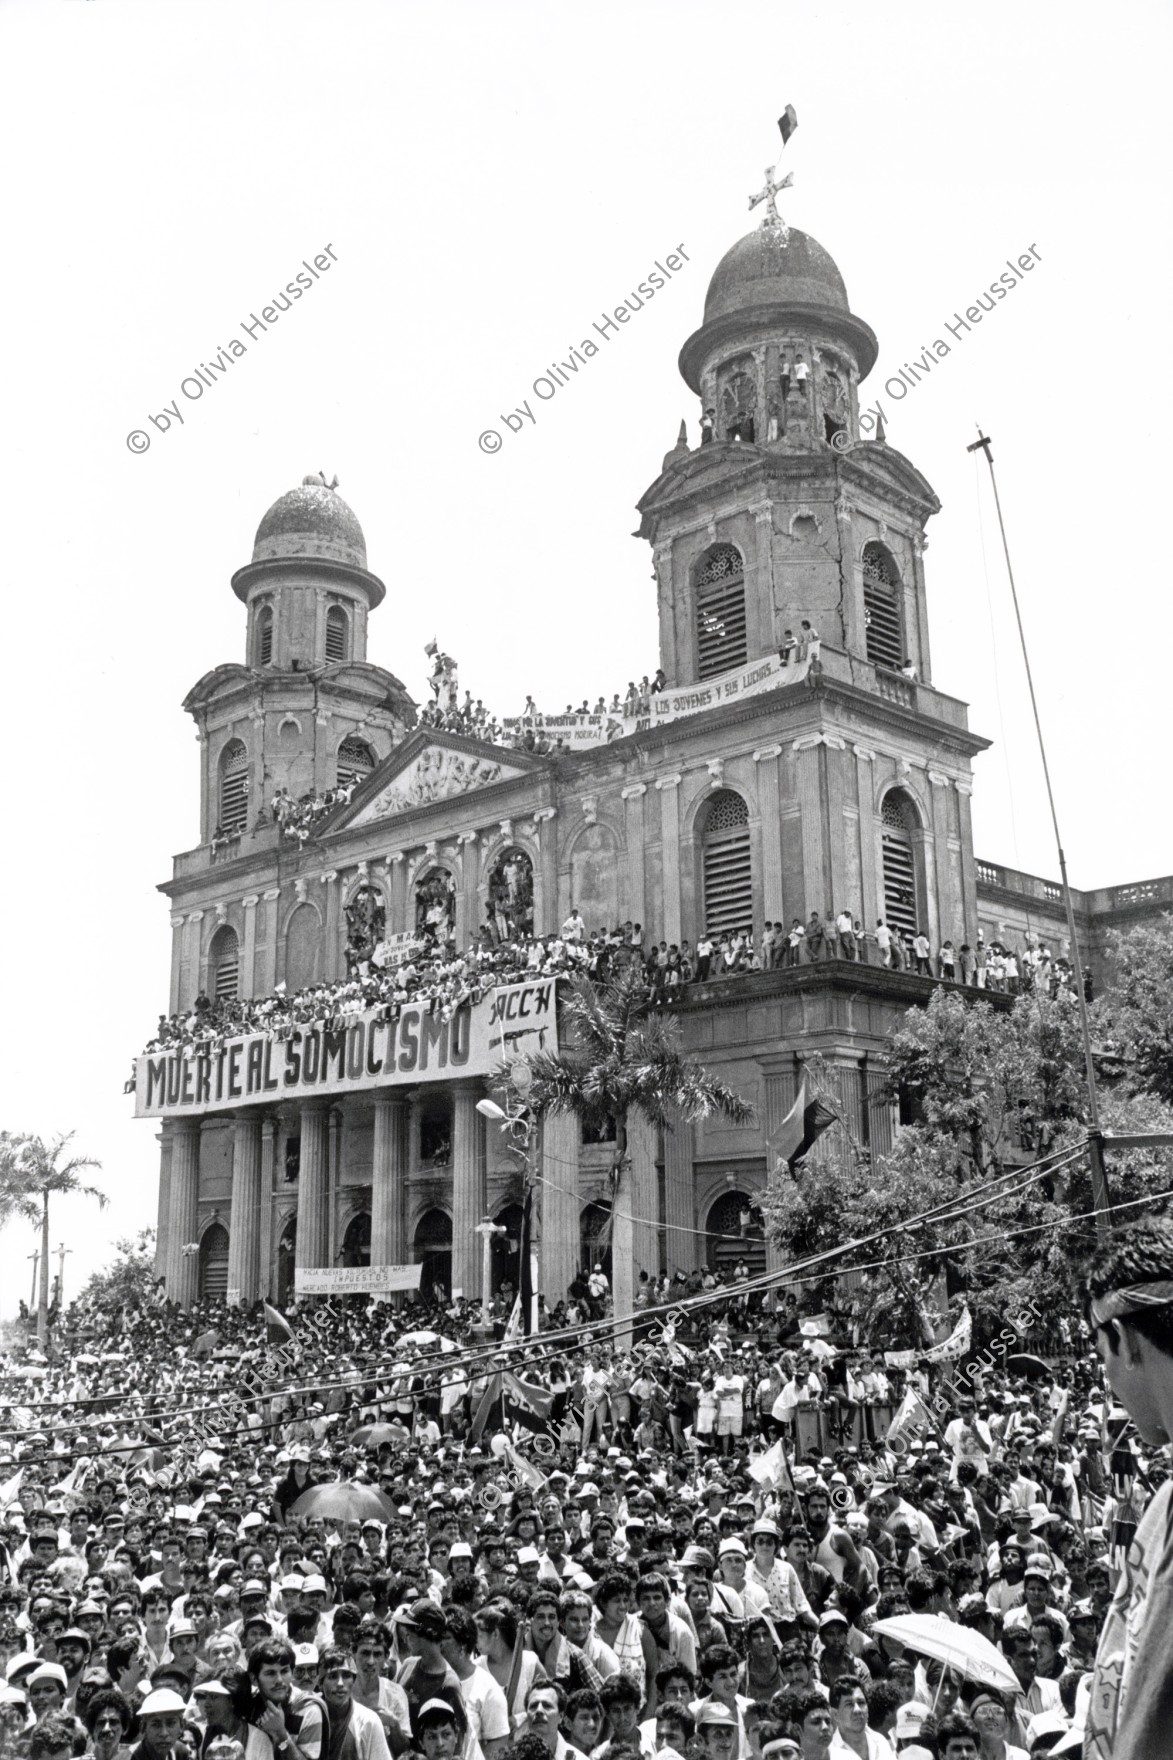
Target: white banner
767,674
947,1351
361,1051
396,950
355,1280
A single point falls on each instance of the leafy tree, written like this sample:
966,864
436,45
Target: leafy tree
31,1172
622,1057
1135,1016
987,1090
129,1281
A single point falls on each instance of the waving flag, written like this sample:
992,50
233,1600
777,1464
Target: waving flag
800,1130
279,1329
787,123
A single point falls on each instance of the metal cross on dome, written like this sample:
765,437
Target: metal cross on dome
772,221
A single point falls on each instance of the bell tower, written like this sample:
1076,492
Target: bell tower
790,508
306,710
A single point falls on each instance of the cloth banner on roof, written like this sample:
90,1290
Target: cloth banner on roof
947,1351
578,731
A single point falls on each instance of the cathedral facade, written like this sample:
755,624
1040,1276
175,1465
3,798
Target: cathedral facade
841,780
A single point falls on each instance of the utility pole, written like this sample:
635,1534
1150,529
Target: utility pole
520,1131
1095,1135
36,1259
61,1252
487,1230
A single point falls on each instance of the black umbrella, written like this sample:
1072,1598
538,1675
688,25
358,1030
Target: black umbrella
1032,1368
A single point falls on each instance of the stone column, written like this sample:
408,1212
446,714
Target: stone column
248,945
468,1188
643,1145
770,811
176,964
467,915
760,604
268,978
560,1206
397,887
189,982
546,873
333,1182
967,918
670,857
941,899
268,1163
311,1189
633,795
840,895
244,1226
871,890
882,1114
389,1183
781,1087
163,1212
810,799
183,1269
332,961
679,1195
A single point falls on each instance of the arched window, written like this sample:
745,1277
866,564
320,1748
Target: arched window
898,821
302,941
234,786
224,964
734,1232
356,1242
594,1237
337,634
265,637
214,1264
881,608
366,923
511,894
355,760
720,612
435,905
728,869
433,1250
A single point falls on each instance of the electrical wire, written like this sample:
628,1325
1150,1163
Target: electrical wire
941,1213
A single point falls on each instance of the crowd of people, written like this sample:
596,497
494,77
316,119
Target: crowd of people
429,968
725,1536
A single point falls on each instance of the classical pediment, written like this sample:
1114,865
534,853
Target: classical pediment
427,770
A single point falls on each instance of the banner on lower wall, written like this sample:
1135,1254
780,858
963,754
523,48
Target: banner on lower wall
355,1280
767,674
364,1051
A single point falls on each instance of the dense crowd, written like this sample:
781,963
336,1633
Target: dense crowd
393,1534
432,970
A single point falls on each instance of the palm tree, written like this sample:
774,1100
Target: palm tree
30,1172
623,1057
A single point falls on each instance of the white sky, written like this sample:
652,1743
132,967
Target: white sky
492,178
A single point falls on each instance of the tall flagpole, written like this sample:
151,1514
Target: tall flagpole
1100,1195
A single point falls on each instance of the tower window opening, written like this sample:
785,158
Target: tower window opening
265,638
727,865
337,633
831,427
355,760
720,612
234,786
225,964
897,819
883,625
